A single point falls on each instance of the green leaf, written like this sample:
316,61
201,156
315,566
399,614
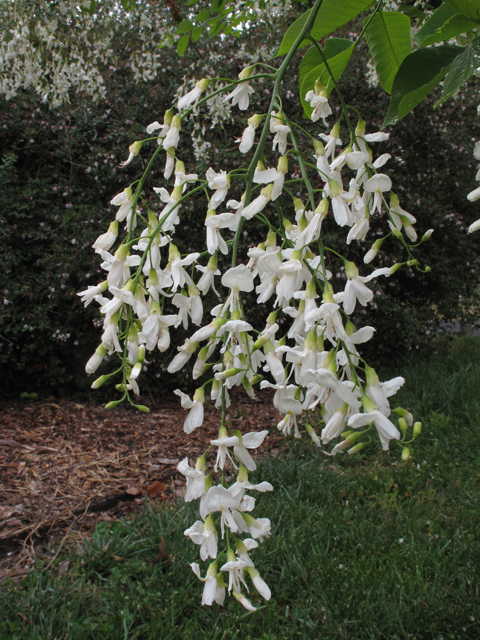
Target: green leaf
463,68
444,24
93,6
197,32
216,27
312,59
184,27
419,73
469,8
388,39
337,64
332,15
203,15
182,44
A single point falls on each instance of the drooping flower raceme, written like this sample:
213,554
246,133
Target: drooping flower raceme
306,351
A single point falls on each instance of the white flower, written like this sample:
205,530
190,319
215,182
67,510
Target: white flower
223,442
204,534
220,182
247,140
334,426
134,150
475,226
356,289
171,209
214,589
332,140
386,429
214,223
105,241
173,135
222,500
186,351
124,201
280,140
195,416
240,95
319,104
195,478
237,279
153,327
359,230
91,293
188,305
193,95
207,279
178,273
474,195
251,440
245,602
378,184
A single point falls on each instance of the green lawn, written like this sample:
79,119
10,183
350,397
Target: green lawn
381,549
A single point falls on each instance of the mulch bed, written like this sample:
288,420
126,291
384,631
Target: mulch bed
66,466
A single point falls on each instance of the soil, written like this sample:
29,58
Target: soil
66,466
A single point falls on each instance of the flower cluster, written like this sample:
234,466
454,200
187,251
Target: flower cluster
306,351
474,195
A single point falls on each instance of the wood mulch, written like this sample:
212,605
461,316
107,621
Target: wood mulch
66,466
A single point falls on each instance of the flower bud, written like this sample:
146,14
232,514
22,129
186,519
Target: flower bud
351,270
335,132
254,121
427,235
368,404
96,360
271,239
228,373
96,384
371,376
201,464
113,404
358,447
417,429
353,437
282,166
370,255
319,148
322,207
246,73
395,231
405,453
403,413
142,408
135,147
360,128
402,423
122,252
395,267
242,472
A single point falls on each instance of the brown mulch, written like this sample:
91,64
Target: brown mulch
66,466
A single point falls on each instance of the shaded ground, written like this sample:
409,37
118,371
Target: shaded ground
65,466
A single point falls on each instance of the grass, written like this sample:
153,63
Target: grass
382,550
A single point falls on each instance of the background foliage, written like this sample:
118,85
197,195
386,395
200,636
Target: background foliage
59,171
